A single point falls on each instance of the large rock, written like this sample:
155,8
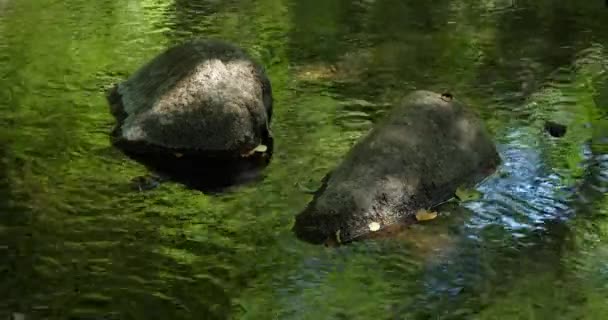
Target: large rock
415,158
203,97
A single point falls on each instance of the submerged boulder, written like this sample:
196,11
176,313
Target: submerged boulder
202,97
415,158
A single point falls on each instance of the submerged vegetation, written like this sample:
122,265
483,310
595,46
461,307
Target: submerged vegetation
78,242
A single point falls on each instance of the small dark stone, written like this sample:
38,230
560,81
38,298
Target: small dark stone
555,129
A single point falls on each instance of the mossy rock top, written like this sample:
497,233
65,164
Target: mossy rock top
201,95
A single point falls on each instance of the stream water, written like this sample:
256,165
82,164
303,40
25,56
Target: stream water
77,241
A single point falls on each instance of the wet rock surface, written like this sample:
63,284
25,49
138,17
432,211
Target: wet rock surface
200,104
414,158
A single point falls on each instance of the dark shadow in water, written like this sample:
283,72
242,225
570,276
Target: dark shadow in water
209,175
200,171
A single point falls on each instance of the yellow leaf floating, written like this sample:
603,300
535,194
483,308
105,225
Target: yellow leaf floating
260,148
424,215
467,194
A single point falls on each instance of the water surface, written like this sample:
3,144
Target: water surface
78,242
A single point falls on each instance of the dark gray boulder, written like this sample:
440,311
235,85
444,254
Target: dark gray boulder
204,97
414,158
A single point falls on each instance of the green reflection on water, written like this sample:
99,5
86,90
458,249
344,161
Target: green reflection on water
78,242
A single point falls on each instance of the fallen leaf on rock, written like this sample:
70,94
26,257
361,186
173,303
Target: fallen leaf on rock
424,215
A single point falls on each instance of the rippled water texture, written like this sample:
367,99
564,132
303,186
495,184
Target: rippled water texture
77,241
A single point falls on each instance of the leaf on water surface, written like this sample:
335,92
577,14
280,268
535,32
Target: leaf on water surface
467,194
260,148
424,215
